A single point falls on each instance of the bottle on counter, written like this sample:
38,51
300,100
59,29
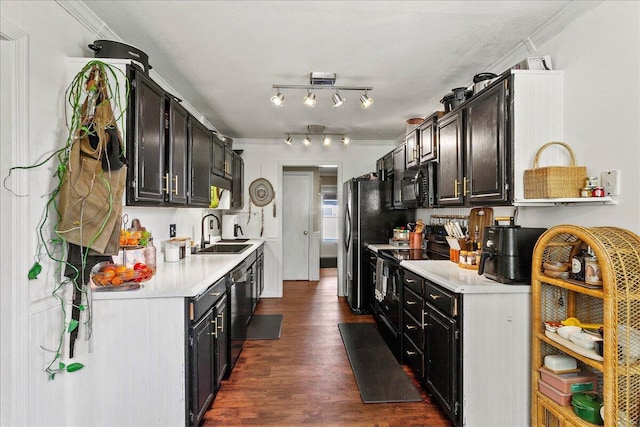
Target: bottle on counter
577,264
150,255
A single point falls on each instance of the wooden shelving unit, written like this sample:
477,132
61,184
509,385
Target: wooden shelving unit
616,305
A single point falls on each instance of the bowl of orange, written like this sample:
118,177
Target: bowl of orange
110,274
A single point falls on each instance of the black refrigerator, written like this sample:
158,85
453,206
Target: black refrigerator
366,220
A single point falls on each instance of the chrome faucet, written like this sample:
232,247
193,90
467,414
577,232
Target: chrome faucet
203,242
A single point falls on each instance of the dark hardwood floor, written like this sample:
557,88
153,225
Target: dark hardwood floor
305,376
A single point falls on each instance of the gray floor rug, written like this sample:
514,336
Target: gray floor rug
265,327
379,376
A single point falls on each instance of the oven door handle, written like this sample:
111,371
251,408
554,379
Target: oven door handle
417,180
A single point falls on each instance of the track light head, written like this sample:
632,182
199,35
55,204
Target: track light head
306,140
326,140
337,99
288,140
310,99
365,101
345,140
278,99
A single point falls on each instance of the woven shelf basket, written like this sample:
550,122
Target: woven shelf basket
554,181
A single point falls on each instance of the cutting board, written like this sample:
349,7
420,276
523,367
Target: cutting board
480,217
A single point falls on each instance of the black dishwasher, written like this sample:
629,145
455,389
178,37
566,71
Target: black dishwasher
240,302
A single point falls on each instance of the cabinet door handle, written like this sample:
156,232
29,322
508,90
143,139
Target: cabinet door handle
215,294
175,190
411,353
456,193
465,189
166,183
435,297
221,325
215,327
410,280
411,327
411,302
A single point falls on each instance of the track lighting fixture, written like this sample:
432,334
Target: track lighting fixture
278,99
310,99
337,99
365,101
319,131
320,81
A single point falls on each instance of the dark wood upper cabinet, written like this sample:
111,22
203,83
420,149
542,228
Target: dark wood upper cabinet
427,137
487,168
147,121
200,149
412,148
237,182
218,160
175,179
449,173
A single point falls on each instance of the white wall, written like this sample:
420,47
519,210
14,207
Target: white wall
600,56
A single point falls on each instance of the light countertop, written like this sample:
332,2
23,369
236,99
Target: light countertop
456,279
187,277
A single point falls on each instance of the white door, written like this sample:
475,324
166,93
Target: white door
296,225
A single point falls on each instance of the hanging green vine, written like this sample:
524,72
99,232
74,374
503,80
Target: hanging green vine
83,97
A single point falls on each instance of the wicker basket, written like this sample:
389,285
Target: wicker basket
554,181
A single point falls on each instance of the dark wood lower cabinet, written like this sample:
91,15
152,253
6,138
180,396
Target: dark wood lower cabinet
442,369
202,367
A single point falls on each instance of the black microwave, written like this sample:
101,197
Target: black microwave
418,188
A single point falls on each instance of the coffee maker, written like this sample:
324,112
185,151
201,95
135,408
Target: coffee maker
507,251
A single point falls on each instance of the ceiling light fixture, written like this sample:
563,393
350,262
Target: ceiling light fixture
278,99
316,130
322,81
337,99
365,100
310,99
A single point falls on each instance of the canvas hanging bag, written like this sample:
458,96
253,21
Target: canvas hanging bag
554,181
91,192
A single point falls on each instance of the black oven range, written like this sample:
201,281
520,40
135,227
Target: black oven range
388,292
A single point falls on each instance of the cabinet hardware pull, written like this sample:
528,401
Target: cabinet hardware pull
166,183
175,190
215,294
411,353
410,280
215,327
410,302
455,188
434,297
411,327
221,325
465,189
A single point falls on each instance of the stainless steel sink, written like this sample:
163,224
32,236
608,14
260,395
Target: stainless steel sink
233,240
223,249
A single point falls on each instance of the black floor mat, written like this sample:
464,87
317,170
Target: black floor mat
265,327
379,376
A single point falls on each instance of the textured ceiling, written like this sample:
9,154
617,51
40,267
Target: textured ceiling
224,56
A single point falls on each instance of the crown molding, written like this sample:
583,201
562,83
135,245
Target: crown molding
81,12
544,33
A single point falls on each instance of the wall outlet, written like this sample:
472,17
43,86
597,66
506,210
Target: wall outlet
172,230
610,182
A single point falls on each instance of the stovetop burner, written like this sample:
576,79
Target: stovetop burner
404,254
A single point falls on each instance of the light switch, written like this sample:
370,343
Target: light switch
611,182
